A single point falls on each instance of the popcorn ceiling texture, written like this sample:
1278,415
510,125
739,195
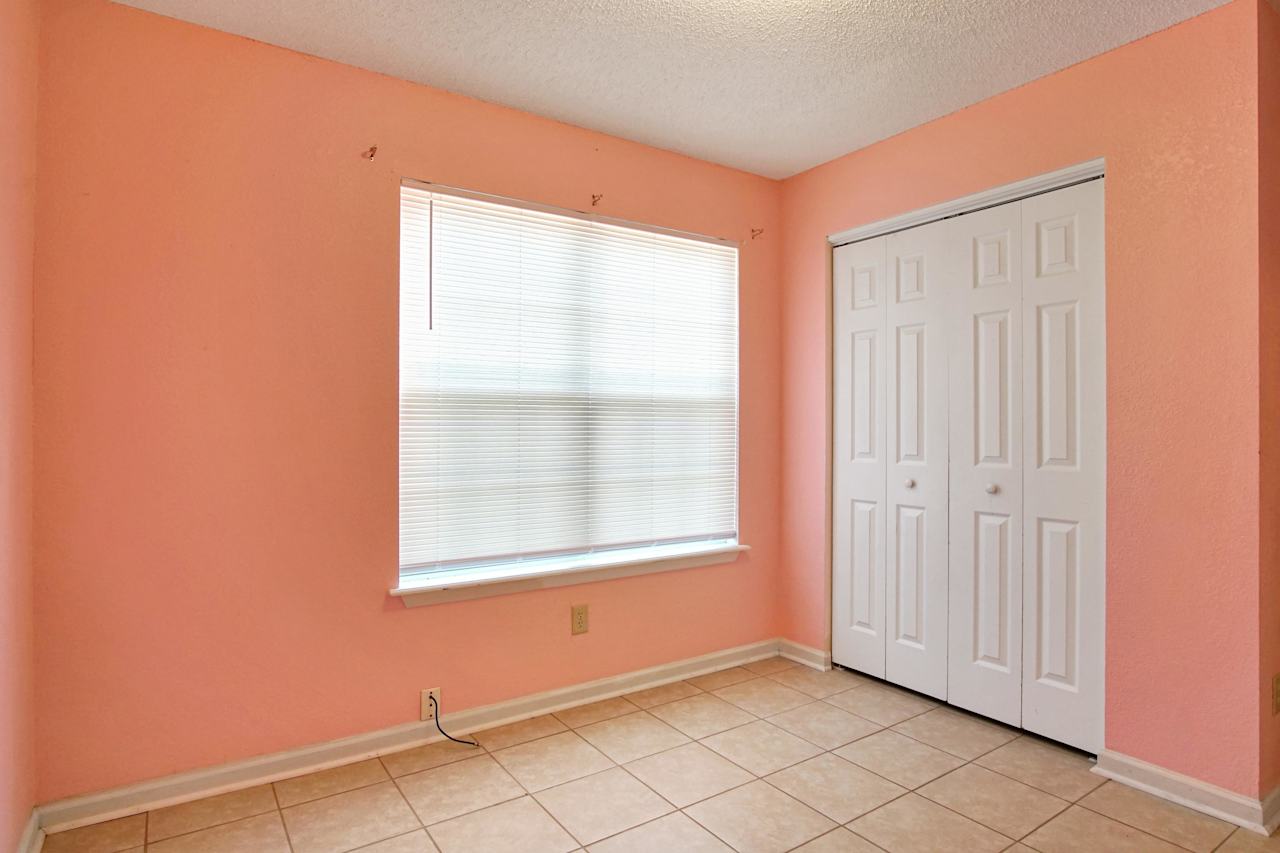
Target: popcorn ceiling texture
768,86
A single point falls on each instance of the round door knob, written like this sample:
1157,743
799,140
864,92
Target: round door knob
909,483
992,488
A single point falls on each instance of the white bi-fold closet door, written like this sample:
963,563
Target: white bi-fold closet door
969,461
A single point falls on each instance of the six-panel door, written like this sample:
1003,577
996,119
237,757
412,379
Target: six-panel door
985,661
1064,465
970,478
920,263
858,523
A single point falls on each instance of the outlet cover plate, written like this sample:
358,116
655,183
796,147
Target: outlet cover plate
427,712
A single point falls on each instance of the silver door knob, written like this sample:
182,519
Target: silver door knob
909,483
992,488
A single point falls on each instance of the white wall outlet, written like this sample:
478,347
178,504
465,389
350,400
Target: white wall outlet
428,713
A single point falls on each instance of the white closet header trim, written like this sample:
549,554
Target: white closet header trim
968,204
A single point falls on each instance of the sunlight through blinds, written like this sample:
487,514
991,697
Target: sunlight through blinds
567,386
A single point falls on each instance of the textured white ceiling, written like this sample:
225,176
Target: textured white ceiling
769,86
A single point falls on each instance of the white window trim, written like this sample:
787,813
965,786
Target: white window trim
440,588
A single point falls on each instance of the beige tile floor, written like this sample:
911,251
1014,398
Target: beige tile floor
763,758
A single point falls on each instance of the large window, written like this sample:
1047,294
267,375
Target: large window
568,391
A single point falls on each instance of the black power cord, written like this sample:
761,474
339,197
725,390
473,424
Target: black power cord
435,707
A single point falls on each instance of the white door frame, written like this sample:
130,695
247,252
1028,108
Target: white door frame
976,201
1048,182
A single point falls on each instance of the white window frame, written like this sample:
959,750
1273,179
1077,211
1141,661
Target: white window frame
439,587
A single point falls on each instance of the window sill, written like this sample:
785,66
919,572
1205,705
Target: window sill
429,590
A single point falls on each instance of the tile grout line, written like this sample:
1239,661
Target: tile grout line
1021,839
546,811
708,829
1042,823
396,785
917,791
674,811
1135,828
277,809
863,837
832,832
1088,808
389,838
533,795
1069,800
288,839
674,808
1225,840
147,842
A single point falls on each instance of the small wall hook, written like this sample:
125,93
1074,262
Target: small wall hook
756,232
595,198
369,155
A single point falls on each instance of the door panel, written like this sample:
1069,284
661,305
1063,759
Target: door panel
920,262
1065,464
984,668
859,520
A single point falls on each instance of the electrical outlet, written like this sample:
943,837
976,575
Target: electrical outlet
578,619
429,713
1275,694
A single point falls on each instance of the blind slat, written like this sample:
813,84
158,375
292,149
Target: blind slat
566,385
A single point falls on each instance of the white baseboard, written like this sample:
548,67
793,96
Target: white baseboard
32,838
206,782
1271,811
1261,816
806,655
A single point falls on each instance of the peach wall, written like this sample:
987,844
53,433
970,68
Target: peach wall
18,71
1269,260
215,365
216,309
1175,116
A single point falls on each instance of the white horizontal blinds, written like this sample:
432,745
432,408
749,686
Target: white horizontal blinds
566,385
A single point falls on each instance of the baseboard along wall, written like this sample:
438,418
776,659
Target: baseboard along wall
1262,816
1258,815
206,782
32,838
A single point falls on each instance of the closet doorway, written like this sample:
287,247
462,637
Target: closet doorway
969,458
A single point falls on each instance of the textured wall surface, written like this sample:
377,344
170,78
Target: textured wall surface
1269,266
1175,116
770,87
18,73
216,375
